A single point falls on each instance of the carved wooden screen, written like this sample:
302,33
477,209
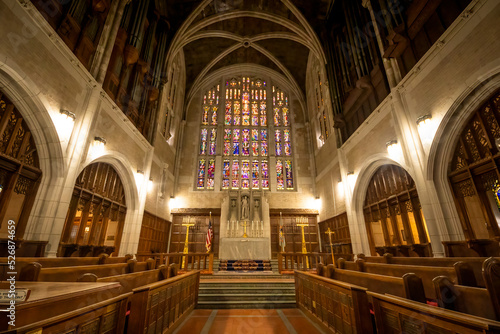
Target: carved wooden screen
97,209
197,233
20,172
293,233
341,238
474,174
392,211
154,234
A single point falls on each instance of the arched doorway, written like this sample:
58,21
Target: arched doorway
20,175
474,177
94,223
393,215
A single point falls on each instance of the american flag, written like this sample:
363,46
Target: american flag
210,236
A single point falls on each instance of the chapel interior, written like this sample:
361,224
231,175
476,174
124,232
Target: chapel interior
249,166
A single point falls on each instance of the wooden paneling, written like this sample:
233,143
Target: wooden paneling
155,233
293,233
341,239
197,234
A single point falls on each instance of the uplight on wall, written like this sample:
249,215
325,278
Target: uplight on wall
173,203
316,203
425,128
351,179
98,147
340,187
139,178
150,184
64,123
394,149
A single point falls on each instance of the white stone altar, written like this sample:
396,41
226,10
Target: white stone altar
255,215
245,249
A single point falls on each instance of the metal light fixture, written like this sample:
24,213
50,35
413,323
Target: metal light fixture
150,184
425,128
98,147
68,114
394,149
423,120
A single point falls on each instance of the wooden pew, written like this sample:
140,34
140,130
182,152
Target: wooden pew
160,307
476,263
51,299
73,274
333,304
475,301
108,314
427,274
398,315
409,286
52,262
134,280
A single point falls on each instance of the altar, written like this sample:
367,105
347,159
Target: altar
245,232
245,249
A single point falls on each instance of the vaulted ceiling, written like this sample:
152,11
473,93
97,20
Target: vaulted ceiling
278,35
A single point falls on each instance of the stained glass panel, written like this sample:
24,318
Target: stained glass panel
277,117
286,120
203,145
237,115
228,115
227,142
246,143
214,115
236,174
289,174
245,174
263,113
236,142
226,173
287,145
211,174
201,173
265,175
204,118
213,141
255,174
279,174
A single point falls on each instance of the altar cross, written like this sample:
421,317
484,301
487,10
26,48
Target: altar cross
330,232
302,224
186,243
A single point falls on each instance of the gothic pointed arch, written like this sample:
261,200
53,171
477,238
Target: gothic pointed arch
393,214
96,215
20,172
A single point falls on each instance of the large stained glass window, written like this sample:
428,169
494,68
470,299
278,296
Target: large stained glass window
245,135
282,140
247,139
208,139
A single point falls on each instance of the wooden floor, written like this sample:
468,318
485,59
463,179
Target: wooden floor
291,321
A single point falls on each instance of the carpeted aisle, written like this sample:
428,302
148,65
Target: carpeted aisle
246,321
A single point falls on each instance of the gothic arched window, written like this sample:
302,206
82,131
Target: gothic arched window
248,133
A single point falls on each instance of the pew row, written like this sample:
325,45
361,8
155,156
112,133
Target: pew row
461,272
397,315
137,279
475,301
35,272
409,286
104,317
51,299
52,262
160,307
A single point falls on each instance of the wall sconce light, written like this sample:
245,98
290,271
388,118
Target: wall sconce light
150,184
98,147
425,128
340,187
351,179
173,203
139,178
64,123
423,120
394,149
68,114
317,203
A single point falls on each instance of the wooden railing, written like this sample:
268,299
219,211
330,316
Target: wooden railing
160,307
192,261
288,262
